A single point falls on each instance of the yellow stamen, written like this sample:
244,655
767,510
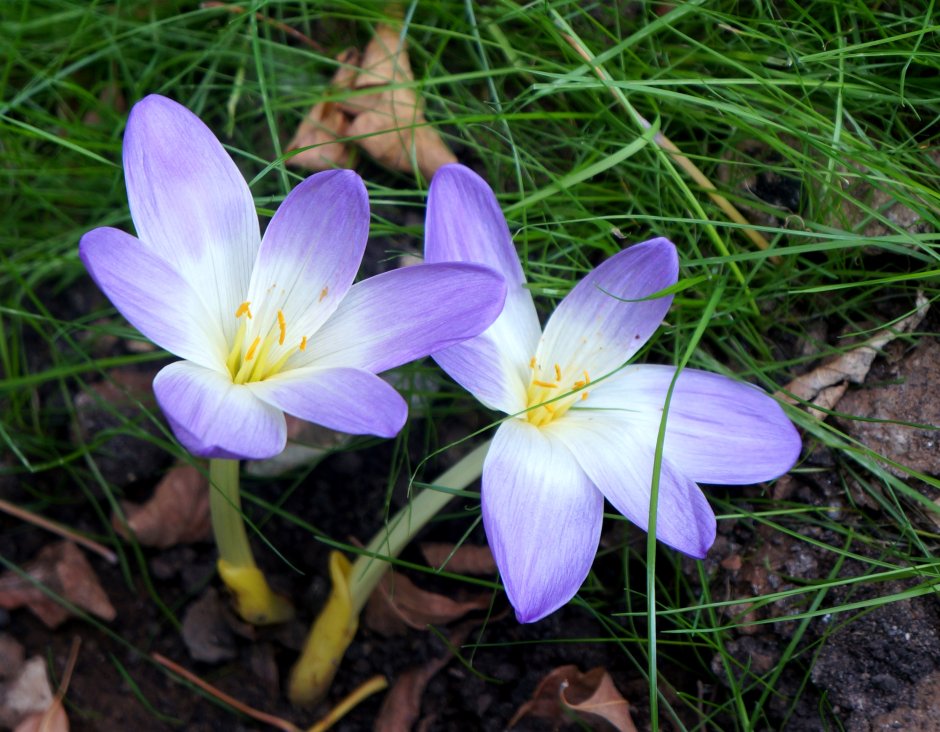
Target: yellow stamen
544,384
244,309
584,395
251,349
587,379
282,325
324,292
557,372
303,343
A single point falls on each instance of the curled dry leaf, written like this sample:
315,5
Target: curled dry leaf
401,707
464,559
27,693
324,125
390,124
178,512
398,603
592,696
63,569
824,386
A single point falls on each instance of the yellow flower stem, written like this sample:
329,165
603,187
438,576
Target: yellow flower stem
254,600
335,626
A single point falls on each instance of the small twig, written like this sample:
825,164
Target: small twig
292,32
57,528
372,686
219,694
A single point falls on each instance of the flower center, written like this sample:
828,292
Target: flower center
549,398
259,350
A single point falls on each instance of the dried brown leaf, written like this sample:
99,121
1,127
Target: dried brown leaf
398,603
54,719
592,696
824,386
62,568
402,705
177,513
390,124
29,693
464,559
325,124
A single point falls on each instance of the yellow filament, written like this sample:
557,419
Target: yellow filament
244,309
251,349
282,326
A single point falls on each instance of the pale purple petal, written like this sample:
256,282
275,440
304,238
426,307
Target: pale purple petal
214,418
311,252
152,296
593,328
343,399
465,224
718,430
190,204
542,518
407,313
619,462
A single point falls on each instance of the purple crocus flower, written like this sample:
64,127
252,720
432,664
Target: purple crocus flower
582,427
272,325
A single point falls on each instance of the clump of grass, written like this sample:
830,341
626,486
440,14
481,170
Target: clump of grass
837,99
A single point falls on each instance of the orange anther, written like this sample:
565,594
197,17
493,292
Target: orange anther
303,343
557,372
324,292
244,309
532,363
544,384
282,324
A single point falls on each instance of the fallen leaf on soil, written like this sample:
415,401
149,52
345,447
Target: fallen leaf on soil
178,512
324,124
26,694
401,707
591,695
824,386
62,568
472,559
391,122
53,718
12,655
397,603
206,634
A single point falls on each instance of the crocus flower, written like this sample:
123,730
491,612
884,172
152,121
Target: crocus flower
582,426
273,325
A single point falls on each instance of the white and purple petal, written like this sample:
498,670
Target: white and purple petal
190,204
604,320
465,224
152,296
619,461
406,314
344,399
542,518
214,418
311,252
718,430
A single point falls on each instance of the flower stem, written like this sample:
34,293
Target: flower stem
335,627
254,599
